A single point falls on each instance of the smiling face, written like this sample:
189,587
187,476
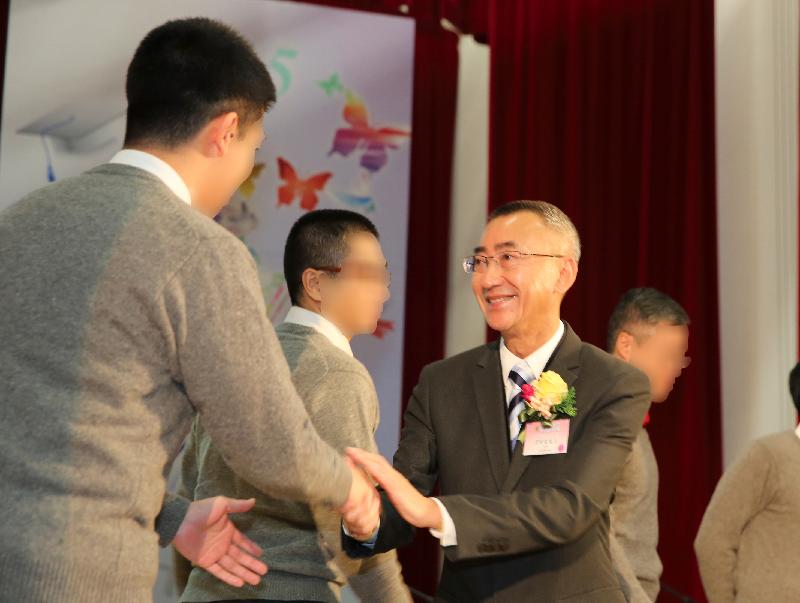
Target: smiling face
529,289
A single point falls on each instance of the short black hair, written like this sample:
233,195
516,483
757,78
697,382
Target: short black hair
187,72
647,306
794,386
319,240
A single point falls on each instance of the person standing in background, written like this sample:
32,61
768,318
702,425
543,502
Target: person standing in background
649,330
338,281
748,544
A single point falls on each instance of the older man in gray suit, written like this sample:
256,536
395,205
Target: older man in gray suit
527,436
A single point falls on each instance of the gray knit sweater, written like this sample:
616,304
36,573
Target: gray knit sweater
634,524
301,542
123,313
748,545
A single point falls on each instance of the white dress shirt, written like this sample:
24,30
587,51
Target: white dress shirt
536,363
158,167
307,318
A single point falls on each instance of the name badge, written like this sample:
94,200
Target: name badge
541,440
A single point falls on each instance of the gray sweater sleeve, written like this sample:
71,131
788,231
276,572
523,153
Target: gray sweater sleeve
631,587
235,374
380,579
740,494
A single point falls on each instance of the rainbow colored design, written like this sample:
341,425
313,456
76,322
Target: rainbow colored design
370,141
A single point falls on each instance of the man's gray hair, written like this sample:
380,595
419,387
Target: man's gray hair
552,216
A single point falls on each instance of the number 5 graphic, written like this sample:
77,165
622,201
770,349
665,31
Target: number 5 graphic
281,69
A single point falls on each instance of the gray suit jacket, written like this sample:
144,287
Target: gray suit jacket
528,528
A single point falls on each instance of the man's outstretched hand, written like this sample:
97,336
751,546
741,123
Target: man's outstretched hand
208,538
362,511
416,509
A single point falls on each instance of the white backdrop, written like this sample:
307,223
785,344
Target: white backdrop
63,112
756,111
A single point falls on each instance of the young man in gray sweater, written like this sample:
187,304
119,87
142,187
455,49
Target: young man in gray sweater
126,311
649,330
338,282
748,544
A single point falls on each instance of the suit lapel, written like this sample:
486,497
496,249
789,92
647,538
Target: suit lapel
490,402
565,362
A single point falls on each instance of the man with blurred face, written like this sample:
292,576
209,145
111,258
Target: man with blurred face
338,281
649,330
127,311
526,436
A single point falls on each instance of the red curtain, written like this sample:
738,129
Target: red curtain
435,88
606,108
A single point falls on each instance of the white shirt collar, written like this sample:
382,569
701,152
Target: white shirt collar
306,318
158,167
536,361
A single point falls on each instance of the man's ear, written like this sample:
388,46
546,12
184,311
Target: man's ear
311,285
567,275
624,345
220,133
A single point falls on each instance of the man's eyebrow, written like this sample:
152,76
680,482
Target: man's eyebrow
505,245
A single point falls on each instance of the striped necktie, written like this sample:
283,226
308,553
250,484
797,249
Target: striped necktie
519,376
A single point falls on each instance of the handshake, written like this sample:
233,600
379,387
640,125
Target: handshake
361,513
209,539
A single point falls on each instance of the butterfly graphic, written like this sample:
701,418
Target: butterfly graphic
296,188
248,187
373,142
383,327
331,85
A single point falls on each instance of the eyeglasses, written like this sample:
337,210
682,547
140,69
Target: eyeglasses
508,260
361,271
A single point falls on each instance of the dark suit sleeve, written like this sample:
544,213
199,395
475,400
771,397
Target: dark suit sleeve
416,460
549,516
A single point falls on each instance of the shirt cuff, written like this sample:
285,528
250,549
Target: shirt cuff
447,537
369,543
